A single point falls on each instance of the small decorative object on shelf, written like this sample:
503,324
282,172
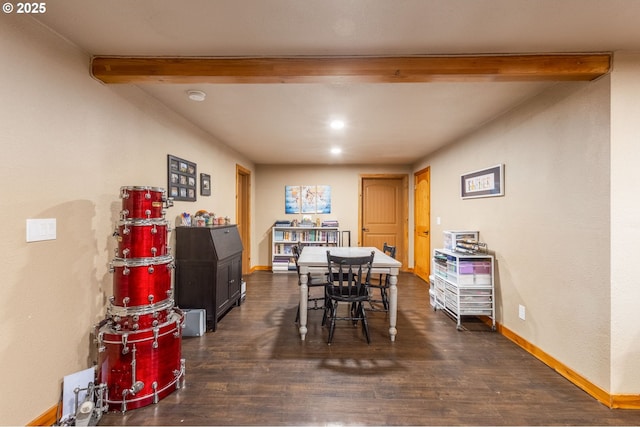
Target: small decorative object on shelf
306,221
330,223
186,219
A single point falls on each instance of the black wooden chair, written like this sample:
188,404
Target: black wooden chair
382,283
312,282
349,279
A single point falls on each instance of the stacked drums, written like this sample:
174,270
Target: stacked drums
139,341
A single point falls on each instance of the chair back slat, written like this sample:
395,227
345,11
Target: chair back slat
295,251
350,275
389,250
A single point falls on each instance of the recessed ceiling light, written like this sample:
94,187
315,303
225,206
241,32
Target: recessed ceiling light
336,150
196,95
337,124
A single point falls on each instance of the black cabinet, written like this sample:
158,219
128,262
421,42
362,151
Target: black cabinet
208,269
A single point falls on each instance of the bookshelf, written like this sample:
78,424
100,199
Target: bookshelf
283,238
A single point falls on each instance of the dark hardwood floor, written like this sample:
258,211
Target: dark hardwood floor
254,370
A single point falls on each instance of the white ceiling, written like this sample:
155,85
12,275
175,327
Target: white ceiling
390,123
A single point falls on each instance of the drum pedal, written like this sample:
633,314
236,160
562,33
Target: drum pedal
85,414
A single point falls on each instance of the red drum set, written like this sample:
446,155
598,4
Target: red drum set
139,341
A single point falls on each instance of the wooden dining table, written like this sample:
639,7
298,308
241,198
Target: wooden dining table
313,259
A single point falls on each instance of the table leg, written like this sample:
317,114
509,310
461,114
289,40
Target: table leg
393,305
304,290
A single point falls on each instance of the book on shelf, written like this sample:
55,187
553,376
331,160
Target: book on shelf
283,249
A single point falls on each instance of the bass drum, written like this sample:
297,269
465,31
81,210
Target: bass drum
141,281
142,367
141,238
142,202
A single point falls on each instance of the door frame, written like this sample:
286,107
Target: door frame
426,170
245,206
405,210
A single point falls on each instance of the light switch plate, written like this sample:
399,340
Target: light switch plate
41,229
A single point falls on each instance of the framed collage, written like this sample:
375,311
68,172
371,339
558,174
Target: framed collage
181,175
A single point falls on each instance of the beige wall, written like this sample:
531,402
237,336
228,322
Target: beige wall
344,182
68,144
550,232
625,223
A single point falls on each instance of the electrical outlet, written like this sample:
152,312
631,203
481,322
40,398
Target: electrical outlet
521,312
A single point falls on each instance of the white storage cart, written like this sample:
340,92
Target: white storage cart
464,285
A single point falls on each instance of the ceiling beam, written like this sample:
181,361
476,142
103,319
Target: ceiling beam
411,69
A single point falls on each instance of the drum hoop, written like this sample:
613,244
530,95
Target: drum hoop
141,262
115,310
142,188
148,338
137,399
143,222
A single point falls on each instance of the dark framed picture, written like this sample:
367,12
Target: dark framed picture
483,183
205,184
181,179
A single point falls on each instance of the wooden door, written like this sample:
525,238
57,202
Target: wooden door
422,219
243,217
384,213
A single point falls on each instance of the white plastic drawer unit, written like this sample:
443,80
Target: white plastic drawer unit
464,284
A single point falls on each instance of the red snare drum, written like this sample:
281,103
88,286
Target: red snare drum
133,319
142,367
142,202
142,238
141,281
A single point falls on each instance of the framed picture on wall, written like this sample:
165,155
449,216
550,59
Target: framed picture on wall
483,183
307,199
292,199
205,184
323,199
181,179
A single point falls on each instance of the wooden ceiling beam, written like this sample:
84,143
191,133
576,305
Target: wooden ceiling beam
411,69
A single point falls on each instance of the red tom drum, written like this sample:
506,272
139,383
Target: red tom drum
141,281
142,202
145,317
142,238
141,367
